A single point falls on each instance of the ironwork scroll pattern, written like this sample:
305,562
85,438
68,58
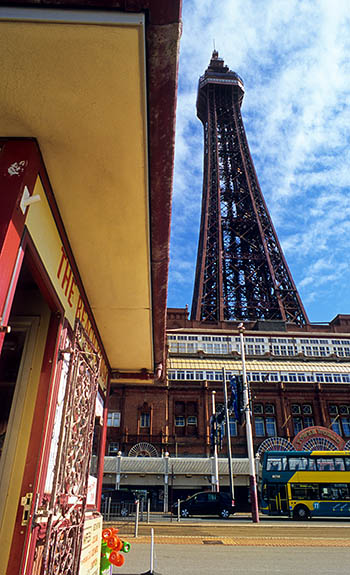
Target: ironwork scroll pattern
70,490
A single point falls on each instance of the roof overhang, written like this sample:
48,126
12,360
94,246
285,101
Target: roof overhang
97,90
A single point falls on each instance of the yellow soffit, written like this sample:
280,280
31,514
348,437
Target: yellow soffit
261,366
76,81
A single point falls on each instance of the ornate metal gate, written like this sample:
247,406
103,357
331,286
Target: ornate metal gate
67,503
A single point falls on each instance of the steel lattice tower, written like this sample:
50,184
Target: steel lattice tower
241,272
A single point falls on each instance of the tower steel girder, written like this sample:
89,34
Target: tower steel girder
241,272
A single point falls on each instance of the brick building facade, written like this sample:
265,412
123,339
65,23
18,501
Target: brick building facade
298,379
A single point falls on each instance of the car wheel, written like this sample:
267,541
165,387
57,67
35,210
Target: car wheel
224,513
185,512
124,512
301,512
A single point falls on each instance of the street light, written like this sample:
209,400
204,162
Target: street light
249,435
215,481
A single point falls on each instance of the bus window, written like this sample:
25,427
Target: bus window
347,463
304,490
325,463
335,491
297,463
339,464
311,464
276,463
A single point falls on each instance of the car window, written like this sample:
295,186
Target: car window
202,497
212,497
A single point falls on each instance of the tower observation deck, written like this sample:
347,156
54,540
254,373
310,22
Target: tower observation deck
241,272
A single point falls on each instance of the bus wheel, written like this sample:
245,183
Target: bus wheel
301,512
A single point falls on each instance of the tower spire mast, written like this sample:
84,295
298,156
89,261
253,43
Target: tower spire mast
241,272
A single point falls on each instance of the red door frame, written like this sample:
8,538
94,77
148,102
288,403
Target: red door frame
39,443
19,167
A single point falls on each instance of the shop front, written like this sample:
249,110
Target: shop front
54,378
85,197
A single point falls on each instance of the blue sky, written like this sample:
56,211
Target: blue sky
294,58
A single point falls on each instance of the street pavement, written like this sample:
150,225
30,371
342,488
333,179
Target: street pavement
226,560
275,545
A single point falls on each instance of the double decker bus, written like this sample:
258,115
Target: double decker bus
304,484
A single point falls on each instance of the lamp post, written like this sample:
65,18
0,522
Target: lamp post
228,437
215,475
249,435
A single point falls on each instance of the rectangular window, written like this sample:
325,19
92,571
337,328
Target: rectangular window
307,409
297,463
144,420
310,377
189,374
308,421
180,375
276,463
270,426
113,448
210,375
180,421
199,375
305,491
292,377
258,408
233,427
335,425
297,424
113,419
259,427
339,464
346,425
325,463
192,420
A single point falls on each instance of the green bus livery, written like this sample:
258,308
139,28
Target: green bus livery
304,484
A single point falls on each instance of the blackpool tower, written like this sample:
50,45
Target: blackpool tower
241,272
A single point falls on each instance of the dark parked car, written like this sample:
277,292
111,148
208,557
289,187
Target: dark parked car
206,503
118,501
